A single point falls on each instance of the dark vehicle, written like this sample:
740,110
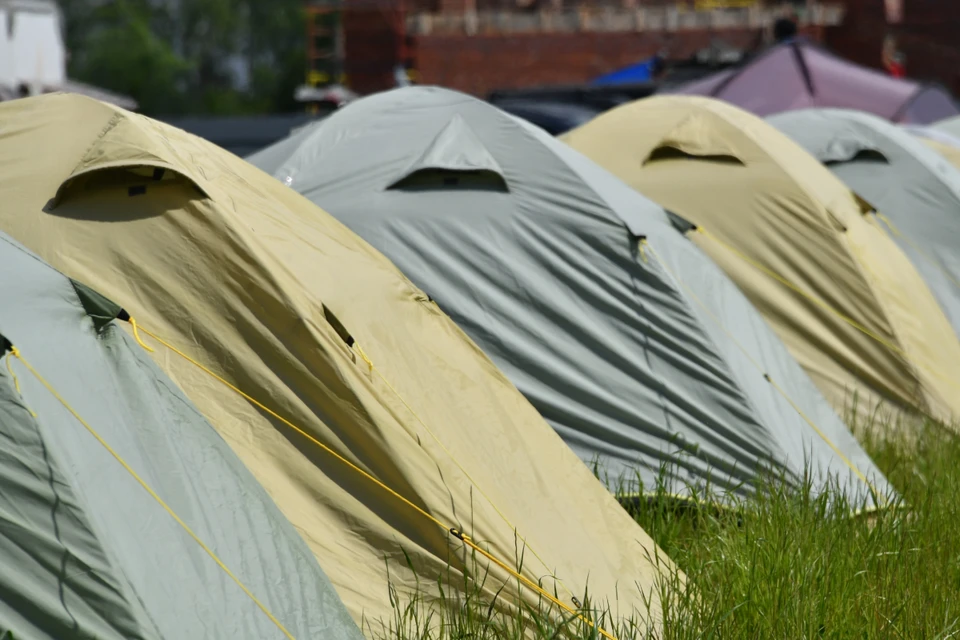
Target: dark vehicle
554,117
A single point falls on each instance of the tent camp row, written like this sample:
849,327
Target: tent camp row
638,350
288,407
270,402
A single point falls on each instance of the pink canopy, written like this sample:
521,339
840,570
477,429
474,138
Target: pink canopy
799,74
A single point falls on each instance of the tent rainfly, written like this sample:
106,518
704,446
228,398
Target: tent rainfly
800,74
388,439
915,189
843,297
638,350
946,144
86,550
949,125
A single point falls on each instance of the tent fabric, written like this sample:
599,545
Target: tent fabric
797,241
800,74
86,551
940,141
544,271
914,187
949,125
285,303
947,145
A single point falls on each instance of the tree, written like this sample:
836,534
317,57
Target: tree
190,56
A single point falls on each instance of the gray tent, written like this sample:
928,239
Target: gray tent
915,189
85,551
630,349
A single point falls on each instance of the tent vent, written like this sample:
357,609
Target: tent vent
338,326
863,155
436,179
131,178
668,152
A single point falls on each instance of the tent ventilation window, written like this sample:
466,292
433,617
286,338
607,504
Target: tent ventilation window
863,155
430,179
135,180
666,152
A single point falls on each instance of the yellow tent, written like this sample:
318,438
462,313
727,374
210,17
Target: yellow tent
256,283
808,253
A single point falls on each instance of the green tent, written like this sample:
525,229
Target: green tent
85,550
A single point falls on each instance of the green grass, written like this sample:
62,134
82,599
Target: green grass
784,565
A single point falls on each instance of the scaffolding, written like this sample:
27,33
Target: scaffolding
357,43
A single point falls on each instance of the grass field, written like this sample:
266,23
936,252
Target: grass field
785,565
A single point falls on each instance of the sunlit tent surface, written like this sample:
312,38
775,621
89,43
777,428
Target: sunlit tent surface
843,297
950,125
85,551
944,143
949,135
800,74
284,302
915,189
641,356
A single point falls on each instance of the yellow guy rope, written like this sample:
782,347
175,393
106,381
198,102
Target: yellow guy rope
369,362
812,298
451,530
466,473
66,405
760,368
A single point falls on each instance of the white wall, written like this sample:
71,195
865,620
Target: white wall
32,52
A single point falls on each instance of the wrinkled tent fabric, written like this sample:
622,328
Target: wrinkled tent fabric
842,296
914,187
86,552
533,250
287,304
800,74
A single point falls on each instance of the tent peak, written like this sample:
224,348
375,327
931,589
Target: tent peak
456,149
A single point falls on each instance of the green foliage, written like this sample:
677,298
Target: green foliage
791,565
784,564
176,57
121,53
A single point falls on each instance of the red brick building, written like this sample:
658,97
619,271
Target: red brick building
481,45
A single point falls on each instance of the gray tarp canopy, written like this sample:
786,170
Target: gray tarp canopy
800,74
85,551
534,251
914,188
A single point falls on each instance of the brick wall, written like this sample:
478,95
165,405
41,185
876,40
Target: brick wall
374,46
929,36
480,64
